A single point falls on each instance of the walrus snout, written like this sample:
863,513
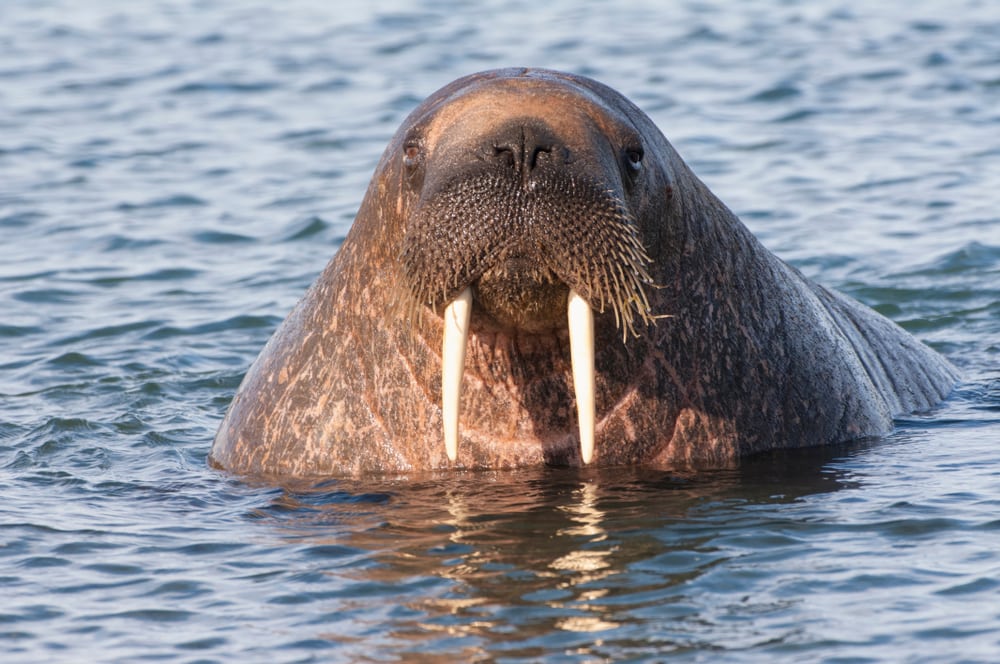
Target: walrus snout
523,248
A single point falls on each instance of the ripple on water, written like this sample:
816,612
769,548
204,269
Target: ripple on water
235,323
225,87
163,274
115,331
75,360
304,229
220,237
176,200
129,244
779,93
974,256
15,331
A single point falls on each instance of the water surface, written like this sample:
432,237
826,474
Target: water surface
173,175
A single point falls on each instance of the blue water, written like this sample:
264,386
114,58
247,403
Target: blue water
173,175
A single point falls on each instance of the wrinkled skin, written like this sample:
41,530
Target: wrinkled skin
516,183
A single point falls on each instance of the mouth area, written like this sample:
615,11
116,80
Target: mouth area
532,261
517,294
579,317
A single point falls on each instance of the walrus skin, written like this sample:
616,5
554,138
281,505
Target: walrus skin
518,187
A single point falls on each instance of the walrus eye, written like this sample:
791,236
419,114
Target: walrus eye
634,157
411,155
633,164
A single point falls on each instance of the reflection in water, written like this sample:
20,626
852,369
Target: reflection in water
498,562
585,565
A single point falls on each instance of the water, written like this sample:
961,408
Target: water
173,175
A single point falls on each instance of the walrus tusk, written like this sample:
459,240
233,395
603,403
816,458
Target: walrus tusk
456,336
580,319
581,347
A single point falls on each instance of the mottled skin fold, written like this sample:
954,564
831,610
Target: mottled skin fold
736,352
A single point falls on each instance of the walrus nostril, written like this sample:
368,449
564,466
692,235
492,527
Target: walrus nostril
537,155
505,155
523,158
523,146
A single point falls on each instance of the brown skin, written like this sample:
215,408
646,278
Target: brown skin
523,184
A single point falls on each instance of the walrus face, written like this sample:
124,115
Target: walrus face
521,222
518,203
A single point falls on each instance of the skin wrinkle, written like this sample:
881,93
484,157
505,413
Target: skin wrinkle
875,359
873,362
367,397
625,400
415,376
505,353
665,365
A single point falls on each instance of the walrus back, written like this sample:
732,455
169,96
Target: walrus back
908,375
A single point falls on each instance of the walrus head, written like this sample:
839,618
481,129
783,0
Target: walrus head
520,222
521,218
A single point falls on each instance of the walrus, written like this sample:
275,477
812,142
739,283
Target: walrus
535,277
